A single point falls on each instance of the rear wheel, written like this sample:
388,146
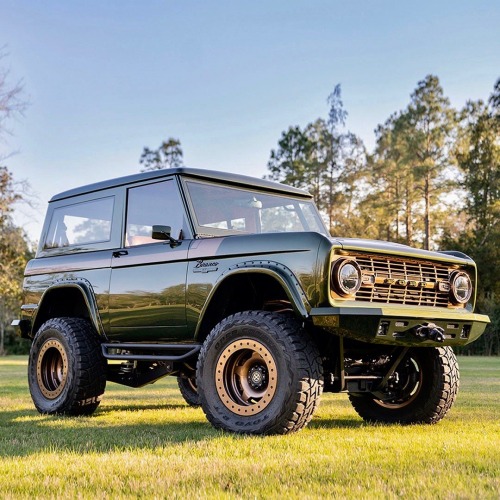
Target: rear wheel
259,373
189,390
66,370
422,390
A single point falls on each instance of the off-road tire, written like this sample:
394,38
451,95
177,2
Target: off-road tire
268,355
66,370
435,391
189,391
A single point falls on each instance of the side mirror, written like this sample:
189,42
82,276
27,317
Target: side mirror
161,232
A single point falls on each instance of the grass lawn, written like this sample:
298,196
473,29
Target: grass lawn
148,443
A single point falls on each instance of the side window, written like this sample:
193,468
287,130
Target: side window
151,204
80,224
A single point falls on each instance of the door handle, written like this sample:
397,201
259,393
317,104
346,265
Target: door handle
120,253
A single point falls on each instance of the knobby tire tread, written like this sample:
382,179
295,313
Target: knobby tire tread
89,369
441,394
191,397
297,349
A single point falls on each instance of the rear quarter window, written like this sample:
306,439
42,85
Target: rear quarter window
79,224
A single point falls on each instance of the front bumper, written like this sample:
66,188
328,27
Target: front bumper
395,325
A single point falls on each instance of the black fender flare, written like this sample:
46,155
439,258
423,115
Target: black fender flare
282,274
85,288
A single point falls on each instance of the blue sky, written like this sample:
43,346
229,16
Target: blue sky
106,78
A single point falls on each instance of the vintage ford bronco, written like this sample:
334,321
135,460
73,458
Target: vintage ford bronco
234,286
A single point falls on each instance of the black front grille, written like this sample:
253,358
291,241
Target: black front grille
391,280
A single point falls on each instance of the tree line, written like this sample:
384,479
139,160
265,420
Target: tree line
15,249
432,181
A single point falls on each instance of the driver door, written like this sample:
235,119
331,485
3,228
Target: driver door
148,277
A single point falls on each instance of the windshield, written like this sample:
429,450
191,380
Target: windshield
221,210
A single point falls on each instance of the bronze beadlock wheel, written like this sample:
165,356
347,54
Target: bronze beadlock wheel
246,377
192,384
52,369
259,372
66,369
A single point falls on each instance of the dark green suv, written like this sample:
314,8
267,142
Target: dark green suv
234,286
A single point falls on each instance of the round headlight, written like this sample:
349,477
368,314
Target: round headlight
460,287
346,277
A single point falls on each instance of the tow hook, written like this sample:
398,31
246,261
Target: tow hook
430,331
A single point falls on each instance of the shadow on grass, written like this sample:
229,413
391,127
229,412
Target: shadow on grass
110,408
25,432
340,423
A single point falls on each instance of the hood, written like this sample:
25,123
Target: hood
387,247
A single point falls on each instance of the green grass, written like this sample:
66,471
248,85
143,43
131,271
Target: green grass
148,443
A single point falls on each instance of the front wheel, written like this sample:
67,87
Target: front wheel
66,370
259,373
422,390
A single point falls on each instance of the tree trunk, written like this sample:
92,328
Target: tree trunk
408,218
397,208
330,193
2,327
427,216
2,337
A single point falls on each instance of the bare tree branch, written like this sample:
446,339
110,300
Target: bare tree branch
12,101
